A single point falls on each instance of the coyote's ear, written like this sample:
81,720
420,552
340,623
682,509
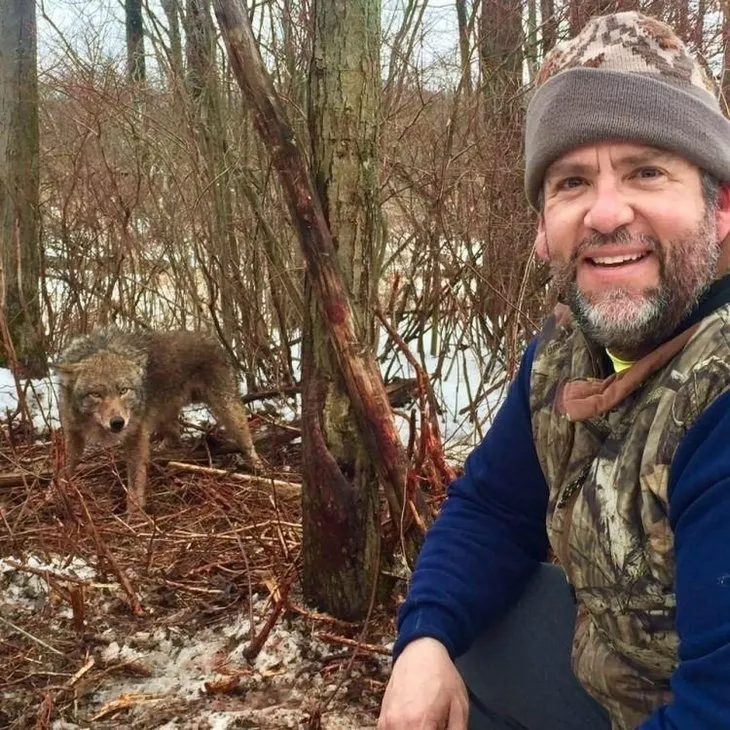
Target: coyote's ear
65,368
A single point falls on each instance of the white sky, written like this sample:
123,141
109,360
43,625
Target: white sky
96,27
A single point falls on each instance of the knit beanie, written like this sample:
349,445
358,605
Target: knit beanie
624,77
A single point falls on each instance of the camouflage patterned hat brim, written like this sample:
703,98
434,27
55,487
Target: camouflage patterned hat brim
583,105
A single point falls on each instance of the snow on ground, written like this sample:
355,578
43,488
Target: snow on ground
180,666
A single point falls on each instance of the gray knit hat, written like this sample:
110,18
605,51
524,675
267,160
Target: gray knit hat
624,77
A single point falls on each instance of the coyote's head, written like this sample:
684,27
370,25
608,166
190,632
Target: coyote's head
106,390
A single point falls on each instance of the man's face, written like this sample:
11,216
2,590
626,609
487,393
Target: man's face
630,239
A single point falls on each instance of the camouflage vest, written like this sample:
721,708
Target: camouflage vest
606,447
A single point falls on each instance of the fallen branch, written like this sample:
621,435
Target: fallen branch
284,490
125,702
21,478
253,649
47,573
31,637
50,697
372,648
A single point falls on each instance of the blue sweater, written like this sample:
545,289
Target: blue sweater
490,536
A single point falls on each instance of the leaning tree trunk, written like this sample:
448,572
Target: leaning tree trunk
356,362
19,229
340,497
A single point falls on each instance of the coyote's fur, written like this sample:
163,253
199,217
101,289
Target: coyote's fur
120,387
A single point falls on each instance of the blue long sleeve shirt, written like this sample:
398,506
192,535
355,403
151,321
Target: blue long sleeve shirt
490,536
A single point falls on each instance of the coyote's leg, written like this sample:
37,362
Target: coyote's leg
230,413
74,446
169,429
138,456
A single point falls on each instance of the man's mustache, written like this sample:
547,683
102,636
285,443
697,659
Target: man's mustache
621,237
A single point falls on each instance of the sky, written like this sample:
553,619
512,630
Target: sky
93,27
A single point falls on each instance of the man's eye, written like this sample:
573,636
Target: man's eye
648,173
570,183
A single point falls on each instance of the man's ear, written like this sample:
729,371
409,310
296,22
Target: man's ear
541,247
722,212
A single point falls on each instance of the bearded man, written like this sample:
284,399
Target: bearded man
613,444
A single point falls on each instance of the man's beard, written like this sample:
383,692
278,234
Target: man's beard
636,322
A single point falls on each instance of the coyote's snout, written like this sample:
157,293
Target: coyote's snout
118,388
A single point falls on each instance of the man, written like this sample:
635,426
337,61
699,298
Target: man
613,444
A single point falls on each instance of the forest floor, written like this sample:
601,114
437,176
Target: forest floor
190,617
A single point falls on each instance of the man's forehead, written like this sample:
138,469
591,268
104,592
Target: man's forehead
590,156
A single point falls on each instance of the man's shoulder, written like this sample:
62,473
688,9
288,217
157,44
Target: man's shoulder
708,350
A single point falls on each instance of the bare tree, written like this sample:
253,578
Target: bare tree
500,54
136,69
342,325
19,217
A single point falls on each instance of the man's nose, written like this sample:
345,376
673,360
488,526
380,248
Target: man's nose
609,210
116,424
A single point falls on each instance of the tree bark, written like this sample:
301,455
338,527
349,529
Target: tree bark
356,362
549,25
464,45
171,9
341,537
581,11
725,79
500,55
136,68
20,253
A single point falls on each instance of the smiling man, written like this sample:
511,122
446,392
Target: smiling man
612,446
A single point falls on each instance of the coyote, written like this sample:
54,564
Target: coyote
120,387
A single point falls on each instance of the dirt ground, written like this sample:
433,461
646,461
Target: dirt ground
189,618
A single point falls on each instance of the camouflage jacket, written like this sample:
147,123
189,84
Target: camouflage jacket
606,447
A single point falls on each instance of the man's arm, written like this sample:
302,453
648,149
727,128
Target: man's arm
699,511
488,538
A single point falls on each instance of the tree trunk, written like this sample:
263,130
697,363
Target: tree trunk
581,11
725,79
340,498
172,12
464,45
500,55
19,237
206,92
549,25
136,72
531,40
356,362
